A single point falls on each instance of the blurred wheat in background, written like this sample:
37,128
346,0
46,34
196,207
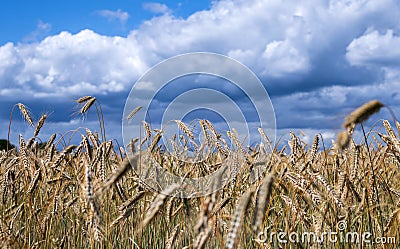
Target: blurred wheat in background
58,195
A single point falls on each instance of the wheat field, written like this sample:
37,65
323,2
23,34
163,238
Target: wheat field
86,195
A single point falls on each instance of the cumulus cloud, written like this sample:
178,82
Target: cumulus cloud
375,48
118,15
69,64
286,44
281,59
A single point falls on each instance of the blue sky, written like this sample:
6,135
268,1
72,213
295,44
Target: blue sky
317,59
27,21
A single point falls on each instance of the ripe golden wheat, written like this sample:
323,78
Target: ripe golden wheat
88,195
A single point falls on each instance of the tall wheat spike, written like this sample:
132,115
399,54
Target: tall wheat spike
148,132
118,173
398,127
157,203
39,125
294,148
87,105
330,189
92,138
24,155
83,99
133,112
210,126
262,201
62,155
393,138
362,113
5,186
341,183
314,148
50,141
203,126
389,129
237,219
264,136
184,128
88,148
25,113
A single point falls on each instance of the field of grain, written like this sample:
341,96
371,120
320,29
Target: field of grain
86,195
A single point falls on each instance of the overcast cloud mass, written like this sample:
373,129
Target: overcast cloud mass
317,59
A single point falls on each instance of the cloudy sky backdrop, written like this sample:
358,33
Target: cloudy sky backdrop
317,59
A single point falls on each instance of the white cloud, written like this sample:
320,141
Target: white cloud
10,61
375,48
67,64
119,15
282,58
157,8
274,39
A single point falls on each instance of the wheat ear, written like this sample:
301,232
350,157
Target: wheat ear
39,125
158,202
83,99
133,112
362,113
262,201
118,173
25,113
237,219
87,105
184,128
